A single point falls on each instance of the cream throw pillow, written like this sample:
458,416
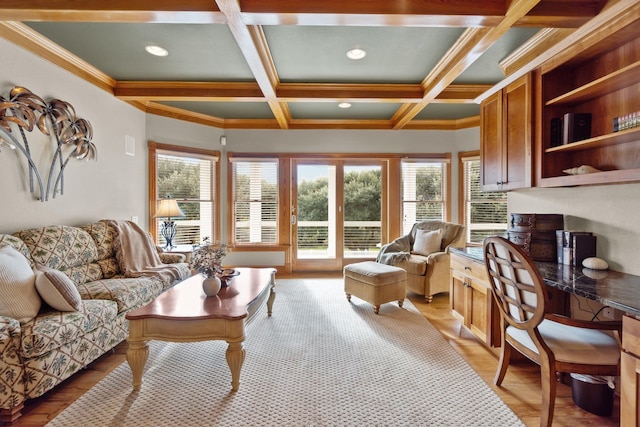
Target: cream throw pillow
18,296
57,290
427,242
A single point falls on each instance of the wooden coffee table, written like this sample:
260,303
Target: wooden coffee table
185,314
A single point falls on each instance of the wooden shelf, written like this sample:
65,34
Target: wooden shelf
627,135
617,80
596,178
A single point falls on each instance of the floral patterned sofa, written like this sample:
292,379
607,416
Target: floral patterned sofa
37,354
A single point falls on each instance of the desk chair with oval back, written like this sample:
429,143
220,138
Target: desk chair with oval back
556,343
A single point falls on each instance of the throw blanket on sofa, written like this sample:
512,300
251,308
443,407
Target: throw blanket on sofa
137,255
394,252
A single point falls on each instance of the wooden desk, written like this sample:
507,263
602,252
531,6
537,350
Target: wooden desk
185,314
610,288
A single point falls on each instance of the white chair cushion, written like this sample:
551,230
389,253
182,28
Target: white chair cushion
572,344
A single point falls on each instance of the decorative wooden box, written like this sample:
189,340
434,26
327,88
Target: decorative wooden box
536,233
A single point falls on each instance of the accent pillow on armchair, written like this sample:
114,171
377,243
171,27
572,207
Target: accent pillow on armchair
427,242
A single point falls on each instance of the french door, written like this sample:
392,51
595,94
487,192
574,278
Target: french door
337,212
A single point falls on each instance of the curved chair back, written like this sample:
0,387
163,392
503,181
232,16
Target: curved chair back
556,343
516,283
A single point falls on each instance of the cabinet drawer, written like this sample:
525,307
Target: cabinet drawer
631,335
474,269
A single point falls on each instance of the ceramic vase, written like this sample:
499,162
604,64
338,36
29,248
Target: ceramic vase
211,286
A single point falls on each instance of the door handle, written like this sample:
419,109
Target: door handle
293,220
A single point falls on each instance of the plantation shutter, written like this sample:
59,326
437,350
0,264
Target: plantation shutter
424,191
189,179
255,201
485,212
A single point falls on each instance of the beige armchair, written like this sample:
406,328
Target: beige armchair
427,273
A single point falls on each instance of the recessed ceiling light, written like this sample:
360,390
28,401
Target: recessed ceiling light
156,50
344,105
356,54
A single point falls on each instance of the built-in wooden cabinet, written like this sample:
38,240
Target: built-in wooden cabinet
630,372
506,137
471,301
603,81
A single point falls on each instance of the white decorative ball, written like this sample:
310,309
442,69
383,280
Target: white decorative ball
595,263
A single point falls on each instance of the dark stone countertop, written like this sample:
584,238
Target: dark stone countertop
611,288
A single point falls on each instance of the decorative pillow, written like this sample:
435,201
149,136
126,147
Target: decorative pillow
18,296
57,290
427,242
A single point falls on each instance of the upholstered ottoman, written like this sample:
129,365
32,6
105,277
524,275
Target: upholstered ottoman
375,283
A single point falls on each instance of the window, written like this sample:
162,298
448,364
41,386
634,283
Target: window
189,176
484,213
254,187
424,191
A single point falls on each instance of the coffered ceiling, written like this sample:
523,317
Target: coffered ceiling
282,64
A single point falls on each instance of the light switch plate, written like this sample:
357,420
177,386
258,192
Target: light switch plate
129,145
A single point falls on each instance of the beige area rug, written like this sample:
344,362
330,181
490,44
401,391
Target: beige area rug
319,361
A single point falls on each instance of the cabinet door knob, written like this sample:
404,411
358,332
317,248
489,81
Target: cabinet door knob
467,267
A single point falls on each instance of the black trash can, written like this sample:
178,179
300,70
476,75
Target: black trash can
593,394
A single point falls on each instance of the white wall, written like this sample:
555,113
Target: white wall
113,187
611,212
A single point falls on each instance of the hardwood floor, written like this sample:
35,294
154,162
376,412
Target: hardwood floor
520,389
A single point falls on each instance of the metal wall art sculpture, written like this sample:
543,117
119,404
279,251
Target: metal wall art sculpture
23,111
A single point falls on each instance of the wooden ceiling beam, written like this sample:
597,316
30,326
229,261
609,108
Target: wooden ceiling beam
533,48
614,18
430,13
165,11
188,91
289,92
469,47
253,45
180,114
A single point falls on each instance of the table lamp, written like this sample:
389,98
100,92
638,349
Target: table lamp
168,208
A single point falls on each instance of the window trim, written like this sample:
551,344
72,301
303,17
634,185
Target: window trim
463,157
154,149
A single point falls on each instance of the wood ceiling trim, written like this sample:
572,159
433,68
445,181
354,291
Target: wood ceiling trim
337,92
160,11
308,124
300,124
460,94
180,114
613,18
471,44
378,7
23,36
289,92
253,46
452,64
188,91
464,123
456,13
533,48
